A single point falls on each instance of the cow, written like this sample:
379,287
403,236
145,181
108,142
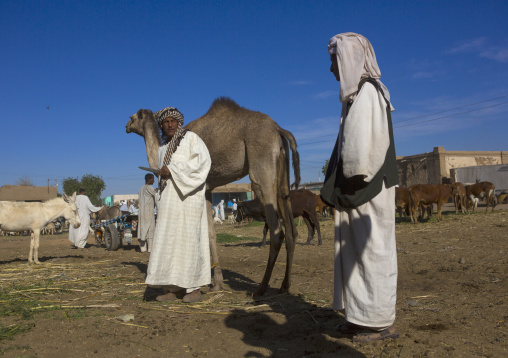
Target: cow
303,203
402,201
482,190
459,197
321,207
427,194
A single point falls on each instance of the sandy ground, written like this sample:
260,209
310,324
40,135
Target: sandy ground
452,299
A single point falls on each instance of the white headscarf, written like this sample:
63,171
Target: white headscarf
356,60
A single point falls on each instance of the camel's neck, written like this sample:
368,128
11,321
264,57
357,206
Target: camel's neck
152,143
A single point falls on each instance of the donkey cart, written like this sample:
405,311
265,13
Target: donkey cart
115,232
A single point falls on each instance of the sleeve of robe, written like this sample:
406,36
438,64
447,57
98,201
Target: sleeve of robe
151,191
91,207
192,173
365,139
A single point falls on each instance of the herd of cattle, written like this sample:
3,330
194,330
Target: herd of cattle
412,202
421,197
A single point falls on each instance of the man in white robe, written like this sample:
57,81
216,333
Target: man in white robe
123,207
222,214
132,208
79,236
146,218
360,183
235,208
180,257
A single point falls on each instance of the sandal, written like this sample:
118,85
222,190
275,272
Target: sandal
171,296
375,336
192,297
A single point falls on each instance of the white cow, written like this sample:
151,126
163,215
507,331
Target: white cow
18,216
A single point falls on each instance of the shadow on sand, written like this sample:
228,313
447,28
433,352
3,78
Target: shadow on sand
285,325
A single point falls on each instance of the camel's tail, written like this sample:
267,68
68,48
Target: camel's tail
296,157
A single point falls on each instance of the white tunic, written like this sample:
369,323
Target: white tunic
365,271
146,223
222,215
181,251
79,236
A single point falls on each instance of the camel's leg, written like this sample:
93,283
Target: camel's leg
290,236
218,281
265,231
284,205
269,175
267,195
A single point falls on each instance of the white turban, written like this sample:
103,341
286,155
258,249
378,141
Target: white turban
356,60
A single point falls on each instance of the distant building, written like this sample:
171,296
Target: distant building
436,167
27,193
115,199
228,192
441,166
496,174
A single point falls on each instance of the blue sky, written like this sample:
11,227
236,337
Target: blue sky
95,63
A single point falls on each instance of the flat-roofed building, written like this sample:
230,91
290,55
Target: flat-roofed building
228,192
27,193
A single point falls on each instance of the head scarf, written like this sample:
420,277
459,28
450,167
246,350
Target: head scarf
356,60
166,113
170,112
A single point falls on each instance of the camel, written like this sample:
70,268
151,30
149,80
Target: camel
241,142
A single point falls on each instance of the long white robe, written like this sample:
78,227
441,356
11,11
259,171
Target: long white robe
146,222
365,268
181,251
79,236
222,215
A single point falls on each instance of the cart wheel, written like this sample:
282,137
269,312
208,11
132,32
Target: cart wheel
111,238
98,238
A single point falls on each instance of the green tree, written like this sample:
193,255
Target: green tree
325,167
71,185
93,185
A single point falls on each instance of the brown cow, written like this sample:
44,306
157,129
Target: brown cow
484,189
459,197
321,206
428,194
402,201
303,203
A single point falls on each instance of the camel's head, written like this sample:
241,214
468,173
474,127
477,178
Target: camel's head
138,120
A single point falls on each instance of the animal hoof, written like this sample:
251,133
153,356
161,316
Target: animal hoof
259,292
283,290
216,288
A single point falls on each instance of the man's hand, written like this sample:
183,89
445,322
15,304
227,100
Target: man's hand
164,172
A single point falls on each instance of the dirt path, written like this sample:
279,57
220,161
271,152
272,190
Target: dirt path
452,299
